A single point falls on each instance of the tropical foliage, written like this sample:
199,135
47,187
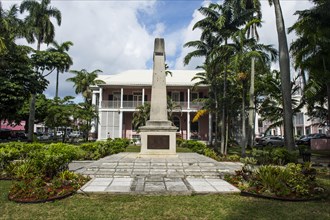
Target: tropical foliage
311,52
227,51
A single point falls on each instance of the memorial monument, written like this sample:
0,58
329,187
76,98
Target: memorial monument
158,136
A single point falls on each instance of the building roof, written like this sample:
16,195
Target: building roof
144,78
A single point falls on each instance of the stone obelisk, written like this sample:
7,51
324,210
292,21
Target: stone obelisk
158,136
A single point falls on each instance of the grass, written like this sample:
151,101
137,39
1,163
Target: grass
228,207
136,148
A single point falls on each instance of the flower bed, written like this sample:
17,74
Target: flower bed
41,170
40,189
294,182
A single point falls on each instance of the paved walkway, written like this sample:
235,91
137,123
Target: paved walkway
188,173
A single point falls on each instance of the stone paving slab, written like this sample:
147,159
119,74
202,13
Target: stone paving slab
127,173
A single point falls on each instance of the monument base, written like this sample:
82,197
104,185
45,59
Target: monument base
158,140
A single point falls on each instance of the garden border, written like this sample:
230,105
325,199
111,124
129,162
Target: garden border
52,199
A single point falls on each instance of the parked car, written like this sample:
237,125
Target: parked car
272,141
42,136
6,134
59,133
307,140
20,136
75,134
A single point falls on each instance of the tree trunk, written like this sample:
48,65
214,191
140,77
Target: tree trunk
243,123
57,78
251,104
216,126
285,77
223,125
31,117
32,112
303,77
328,94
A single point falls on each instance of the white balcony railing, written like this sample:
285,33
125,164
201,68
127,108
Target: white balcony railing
134,104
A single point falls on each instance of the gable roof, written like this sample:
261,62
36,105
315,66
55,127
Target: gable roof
144,78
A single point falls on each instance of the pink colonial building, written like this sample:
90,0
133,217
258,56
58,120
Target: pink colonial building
122,93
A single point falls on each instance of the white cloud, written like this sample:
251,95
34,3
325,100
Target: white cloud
189,35
108,35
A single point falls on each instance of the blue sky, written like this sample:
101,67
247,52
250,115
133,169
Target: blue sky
117,35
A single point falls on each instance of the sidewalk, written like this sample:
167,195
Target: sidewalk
127,173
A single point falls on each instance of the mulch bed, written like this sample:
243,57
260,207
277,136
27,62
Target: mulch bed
30,199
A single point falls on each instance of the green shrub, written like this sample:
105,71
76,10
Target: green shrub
99,149
272,179
211,153
195,146
277,155
7,155
179,142
249,160
234,157
262,156
292,180
282,156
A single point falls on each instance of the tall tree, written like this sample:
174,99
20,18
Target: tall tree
245,49
65,65
17,79
311,52
284,60
83,80
252,8
219,23
40,29
203,48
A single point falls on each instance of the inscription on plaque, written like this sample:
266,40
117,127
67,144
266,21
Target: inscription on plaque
158,142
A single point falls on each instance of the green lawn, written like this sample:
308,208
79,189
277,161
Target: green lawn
136,148
233,207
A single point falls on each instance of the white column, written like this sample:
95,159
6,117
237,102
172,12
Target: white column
304,128
143,96
121,97
94,98
93,128
188,97
121,124
188,125
100,97
210,128
99,126
100,115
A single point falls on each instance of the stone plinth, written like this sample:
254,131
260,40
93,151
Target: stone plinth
158,140
158,137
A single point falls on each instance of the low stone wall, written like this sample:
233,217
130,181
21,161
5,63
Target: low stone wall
320,144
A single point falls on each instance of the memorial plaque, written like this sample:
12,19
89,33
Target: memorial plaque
158,142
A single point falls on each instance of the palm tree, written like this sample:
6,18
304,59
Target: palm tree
284,59
251,8
217,27
40,29
82,82
311,52
245,49
141,116
11,27
62,48
271,108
